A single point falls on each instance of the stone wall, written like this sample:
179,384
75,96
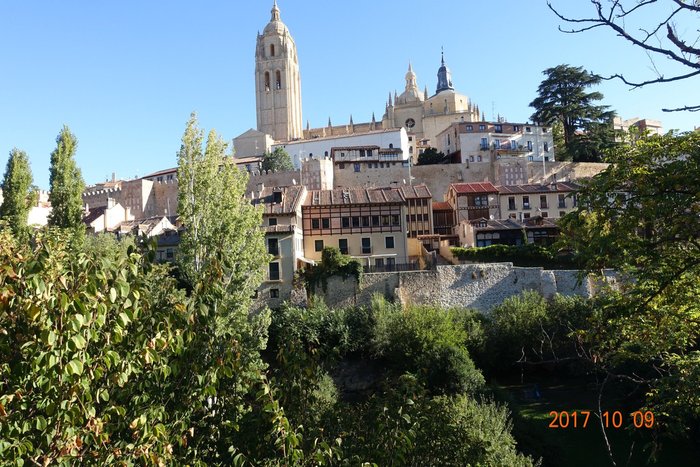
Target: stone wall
477,286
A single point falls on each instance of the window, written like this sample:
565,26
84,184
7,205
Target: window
325,153
546,147
169,253
395,220
526,215
355,221
362,153
511,203
318,245
545,214
389,242
345,222
478,158
530,158
482,127
544,130
469,128
529,145
267,81
562,213
343,245
365,221
379,263
516,128
391,146
278,80
528,129
274,271
273,246
484,143
272,221
385,220
369,153
341,165
375,221
410,138
497,143
513,144
499,128
543,201
526,202
481,200
272,50
326,223
274,293
357,167
315,223
471,158
562,201
366,246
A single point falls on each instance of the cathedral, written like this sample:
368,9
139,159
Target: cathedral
279,106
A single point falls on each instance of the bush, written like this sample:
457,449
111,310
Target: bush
428,341
528,255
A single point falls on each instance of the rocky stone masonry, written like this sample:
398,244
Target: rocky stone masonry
477,286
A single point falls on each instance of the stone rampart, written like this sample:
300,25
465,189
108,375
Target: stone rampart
477,286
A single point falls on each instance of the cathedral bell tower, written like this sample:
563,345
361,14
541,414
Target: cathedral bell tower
277,81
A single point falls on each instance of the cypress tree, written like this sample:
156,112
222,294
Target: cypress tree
16,191
66,183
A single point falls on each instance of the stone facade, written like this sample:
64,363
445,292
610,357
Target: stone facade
476,286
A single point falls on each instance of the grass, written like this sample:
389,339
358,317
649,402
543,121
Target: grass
580,446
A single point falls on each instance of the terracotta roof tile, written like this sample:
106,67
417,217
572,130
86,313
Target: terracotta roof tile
467,188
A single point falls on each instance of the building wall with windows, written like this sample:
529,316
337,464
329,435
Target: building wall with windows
320,148
365,223
473,201
283,239
484,142
526,201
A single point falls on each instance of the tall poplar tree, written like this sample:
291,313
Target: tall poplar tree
66,183
16,191
222,236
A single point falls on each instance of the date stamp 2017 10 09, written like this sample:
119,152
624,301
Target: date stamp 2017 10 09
615,419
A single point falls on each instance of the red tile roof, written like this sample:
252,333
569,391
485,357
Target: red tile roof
345,196
441,206
467,188
559,187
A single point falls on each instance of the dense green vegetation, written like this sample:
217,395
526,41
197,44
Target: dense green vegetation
526,255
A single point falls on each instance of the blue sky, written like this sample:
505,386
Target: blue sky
126,75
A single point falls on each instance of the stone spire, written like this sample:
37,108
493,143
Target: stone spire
390,99
444,76
275,12
425,93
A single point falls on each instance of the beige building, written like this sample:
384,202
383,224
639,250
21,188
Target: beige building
419,210
487,232
522,202
277,82
365,223
473,201
283,238
643,125
106,218
480,142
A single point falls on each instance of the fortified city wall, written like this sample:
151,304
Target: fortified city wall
476,286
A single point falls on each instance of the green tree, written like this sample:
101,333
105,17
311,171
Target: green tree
222,236
641,216
66,183
432,156
277,161
16,191
562,97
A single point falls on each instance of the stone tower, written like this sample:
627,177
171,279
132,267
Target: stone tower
277,81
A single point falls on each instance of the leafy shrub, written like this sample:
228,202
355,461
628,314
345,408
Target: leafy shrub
333,262
527,255
428,341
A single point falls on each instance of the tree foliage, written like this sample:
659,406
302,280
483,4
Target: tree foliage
66,183
333,263
642,217
563,98
222,244
432,156
671,35
16,191
277,161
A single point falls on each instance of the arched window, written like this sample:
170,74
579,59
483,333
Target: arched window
267,81
272,50
391,146
278,80
325,153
